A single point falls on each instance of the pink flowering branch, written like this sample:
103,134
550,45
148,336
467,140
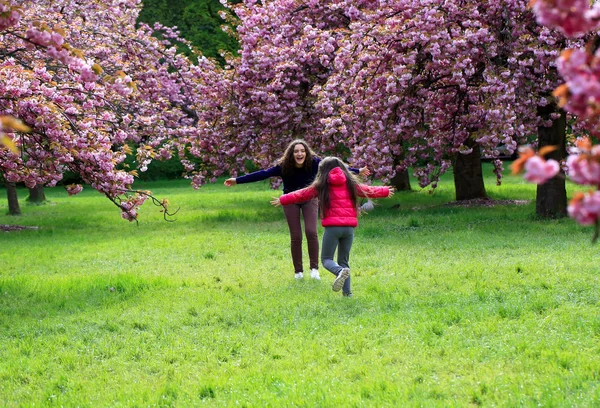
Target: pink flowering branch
580,96
537,169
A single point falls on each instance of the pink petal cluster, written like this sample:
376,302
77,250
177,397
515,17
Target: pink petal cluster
10,15
585,208
74,189
585,168
579,95
573,17
538,170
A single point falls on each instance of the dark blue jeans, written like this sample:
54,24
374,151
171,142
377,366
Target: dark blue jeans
339,238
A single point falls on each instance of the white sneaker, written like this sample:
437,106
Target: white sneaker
314,273
299,275
340,279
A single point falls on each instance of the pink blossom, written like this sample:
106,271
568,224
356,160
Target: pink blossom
583,169
573,17
538,170
9,17
585,208
129,215
73,189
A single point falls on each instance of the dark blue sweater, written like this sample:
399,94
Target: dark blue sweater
298,179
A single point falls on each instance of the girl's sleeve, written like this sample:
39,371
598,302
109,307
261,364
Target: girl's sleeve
373,191
298,196
274,171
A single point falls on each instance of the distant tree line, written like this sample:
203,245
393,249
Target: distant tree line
197,20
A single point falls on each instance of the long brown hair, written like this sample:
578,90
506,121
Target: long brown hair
287,162
320,184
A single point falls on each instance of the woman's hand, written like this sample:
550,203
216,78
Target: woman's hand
364,172
275,202
230,182
392,191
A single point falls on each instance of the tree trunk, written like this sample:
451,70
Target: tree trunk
468,176
13,199
551,197
401,181
36,194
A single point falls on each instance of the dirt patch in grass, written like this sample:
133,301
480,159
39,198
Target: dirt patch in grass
8,228
477,202
482,202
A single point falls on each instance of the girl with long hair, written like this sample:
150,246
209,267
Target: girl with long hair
338,192
297,168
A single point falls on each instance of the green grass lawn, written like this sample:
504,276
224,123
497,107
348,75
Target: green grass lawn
452,306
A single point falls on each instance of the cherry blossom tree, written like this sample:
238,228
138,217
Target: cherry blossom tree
579,94
92,86
286,50
428,84
393,84
9,124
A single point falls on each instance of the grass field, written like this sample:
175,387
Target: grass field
452,306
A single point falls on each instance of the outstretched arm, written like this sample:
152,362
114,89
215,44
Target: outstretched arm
375,191
364,172
297,196
274,171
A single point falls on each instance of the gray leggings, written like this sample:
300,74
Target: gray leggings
339,238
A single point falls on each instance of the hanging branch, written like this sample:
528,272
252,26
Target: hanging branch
133,214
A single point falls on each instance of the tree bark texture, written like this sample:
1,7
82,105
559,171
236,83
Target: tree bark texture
401,181
36,194
468,176
551,197
13,200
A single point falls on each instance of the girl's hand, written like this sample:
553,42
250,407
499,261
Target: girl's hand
364,172
275,202
392,191
230,182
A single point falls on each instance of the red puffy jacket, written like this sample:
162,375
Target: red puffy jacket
341,211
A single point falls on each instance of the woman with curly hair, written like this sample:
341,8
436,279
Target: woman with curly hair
297,168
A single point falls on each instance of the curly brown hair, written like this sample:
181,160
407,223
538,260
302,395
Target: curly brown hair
287,162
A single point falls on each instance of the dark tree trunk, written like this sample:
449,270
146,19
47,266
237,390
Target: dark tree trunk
401,181
551,197
468,176
36,194
13,200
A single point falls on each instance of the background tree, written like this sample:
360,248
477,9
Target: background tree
198,21
11,124
36,194
13,199
285,50
91,85
579,67
551,197
438,82
396,85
